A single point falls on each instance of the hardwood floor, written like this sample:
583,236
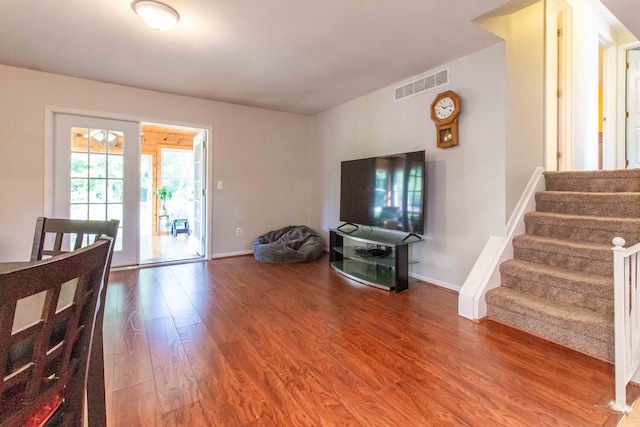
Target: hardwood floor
235,342
155,248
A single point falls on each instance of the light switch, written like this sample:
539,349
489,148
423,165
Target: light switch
219,185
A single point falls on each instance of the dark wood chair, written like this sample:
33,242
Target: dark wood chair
54,236
43,365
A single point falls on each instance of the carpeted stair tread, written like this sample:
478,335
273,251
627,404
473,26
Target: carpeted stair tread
590,284
592,292
591,229
594,251
625,204
590,258
626,180
577,328
559,284
567,316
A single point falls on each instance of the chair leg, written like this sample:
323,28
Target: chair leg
95,381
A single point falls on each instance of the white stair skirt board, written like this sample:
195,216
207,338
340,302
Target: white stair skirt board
485,274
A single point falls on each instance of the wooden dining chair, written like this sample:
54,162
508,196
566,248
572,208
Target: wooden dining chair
47,316
54,236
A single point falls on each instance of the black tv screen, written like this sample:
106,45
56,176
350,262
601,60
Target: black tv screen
386,192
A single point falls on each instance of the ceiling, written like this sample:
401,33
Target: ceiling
299,56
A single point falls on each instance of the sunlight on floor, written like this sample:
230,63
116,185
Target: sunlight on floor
166,247
633,419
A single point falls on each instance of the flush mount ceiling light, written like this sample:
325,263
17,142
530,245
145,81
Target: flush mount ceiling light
156,15
106,139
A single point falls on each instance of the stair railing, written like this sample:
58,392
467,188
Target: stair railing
626,320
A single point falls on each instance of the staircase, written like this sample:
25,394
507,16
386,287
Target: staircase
559,284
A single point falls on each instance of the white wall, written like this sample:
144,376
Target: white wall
466,195
524,62
585,88
260,155
523,32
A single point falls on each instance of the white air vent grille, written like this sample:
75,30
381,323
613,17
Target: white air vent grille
421,85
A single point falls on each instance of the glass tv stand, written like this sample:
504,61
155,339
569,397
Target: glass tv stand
382,260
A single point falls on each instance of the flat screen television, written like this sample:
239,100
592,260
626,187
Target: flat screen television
385,191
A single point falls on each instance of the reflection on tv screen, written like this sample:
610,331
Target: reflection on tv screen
386,192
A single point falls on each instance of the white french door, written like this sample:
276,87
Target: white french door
633,108
199,173
96,176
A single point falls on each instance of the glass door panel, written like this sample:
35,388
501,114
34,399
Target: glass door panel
95,176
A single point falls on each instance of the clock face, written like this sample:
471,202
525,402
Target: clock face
444,108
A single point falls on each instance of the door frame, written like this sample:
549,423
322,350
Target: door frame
609,91
49,112
558,92
621,134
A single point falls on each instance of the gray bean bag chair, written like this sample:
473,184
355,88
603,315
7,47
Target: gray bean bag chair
296,243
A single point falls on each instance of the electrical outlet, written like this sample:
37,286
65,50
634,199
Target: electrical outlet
238,231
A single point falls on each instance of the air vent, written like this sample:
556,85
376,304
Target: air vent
423,84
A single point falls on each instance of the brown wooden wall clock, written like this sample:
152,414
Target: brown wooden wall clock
445,110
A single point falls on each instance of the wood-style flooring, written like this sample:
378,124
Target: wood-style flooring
235,342
155,248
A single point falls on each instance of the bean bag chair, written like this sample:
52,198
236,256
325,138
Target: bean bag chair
296,243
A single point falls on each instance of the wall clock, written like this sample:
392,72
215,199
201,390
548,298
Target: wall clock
445,110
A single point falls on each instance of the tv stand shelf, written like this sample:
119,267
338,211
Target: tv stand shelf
390,272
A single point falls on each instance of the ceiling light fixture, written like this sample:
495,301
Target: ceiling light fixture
107,139
157,15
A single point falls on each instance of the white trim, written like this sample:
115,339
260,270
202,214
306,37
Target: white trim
485,274
50,110
621,134
550,92
232,254
609,101
565,116
436,282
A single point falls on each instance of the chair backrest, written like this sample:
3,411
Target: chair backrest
52,234
47,359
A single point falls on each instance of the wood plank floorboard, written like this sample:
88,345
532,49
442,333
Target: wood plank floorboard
235,342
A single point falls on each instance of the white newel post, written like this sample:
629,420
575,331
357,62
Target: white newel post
621,324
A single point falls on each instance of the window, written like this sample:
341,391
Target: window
97,176
177,176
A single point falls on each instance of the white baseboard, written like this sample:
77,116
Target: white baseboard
232,254
436,282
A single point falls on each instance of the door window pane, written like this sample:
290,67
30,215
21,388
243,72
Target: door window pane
79,191
97,212
115,191
97,191
79,212
98,165
80,140
79,165
115,211
116,166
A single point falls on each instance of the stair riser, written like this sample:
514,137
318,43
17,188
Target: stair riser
626,180
569,262
579,234
602,185
550,330
619,210
558,294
